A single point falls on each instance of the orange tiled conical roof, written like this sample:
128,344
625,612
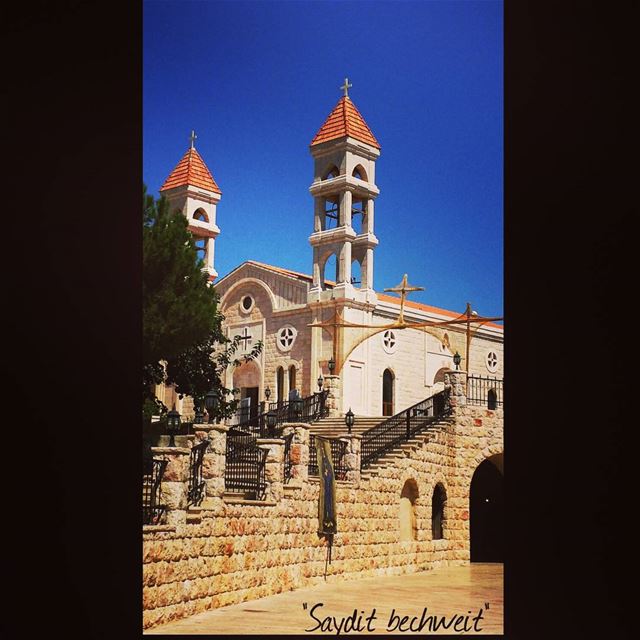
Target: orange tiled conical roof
191,170
345,120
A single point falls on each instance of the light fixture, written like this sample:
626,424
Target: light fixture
332,366
320,381
456,360
211,403
349,419
173,425
267,393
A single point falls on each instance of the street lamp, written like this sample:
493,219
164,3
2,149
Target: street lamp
272,419
332,366
456,360
211,403
267,393
320,381
349,419
199,416
173,425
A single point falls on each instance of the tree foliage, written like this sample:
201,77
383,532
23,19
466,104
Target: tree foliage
183,341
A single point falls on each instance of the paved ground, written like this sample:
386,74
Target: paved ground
447,592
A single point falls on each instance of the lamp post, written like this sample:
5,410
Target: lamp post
211,403
173,425
199,415
456,360
267,393
332,366
349,419
320,381
272,419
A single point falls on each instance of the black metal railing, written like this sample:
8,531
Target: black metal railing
245,465
338,453
152,473
485,391
404,425
309,409
196,490
288,465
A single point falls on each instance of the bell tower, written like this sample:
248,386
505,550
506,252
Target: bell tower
344,152
191,188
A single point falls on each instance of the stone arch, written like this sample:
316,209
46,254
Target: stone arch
331,172
248,374
492,399
359,169
388,391
200,214
407,511
356,274
486,510
322,263
438,511
439,377
241,283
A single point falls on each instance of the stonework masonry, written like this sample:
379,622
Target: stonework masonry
242,551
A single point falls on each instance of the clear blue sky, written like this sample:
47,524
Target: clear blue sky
256,80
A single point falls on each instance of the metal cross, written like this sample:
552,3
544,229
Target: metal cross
245,337
403,288
345,87
192,138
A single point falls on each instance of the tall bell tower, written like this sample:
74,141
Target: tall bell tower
191,188
344,152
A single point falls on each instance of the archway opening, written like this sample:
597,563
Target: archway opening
292,378
437,512
492,399
408,522
487,511
387,393
246,378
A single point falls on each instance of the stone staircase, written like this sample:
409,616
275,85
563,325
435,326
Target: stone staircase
404,449
335,426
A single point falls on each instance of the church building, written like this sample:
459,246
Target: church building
387,352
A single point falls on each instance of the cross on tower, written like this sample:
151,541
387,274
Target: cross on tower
345,87
245,338
192,138
403,288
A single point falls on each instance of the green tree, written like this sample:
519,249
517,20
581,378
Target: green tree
183,342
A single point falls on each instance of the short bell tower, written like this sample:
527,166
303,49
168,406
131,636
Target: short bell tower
344,152
191,188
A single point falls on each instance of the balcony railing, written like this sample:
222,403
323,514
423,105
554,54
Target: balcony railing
245,465
485,391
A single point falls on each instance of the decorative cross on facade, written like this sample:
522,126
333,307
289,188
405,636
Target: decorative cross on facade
345,87
403,288
245,338
192,138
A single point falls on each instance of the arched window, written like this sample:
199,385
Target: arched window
280,385
360,173
356,274
387,393
437,512
408,523
492,399
292,377
331,172
200,214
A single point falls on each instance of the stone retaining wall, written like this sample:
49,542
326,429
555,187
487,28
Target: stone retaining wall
240,552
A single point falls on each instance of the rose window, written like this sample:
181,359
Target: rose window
389,341
286,338
492,361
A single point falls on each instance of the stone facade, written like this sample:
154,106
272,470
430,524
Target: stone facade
242,551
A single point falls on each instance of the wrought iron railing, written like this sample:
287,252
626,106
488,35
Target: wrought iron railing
404,425
197,485
485,391
245,465
152,473
309,409
338,453
288,465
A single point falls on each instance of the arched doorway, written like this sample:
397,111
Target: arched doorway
247,378
408,524
492,399
387,393
487,511
437,512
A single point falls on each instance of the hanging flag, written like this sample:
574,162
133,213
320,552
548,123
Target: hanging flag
327,521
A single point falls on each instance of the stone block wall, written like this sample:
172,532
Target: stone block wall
243,551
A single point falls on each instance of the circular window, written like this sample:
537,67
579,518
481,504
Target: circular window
492,362
286,338
246,304
389,341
